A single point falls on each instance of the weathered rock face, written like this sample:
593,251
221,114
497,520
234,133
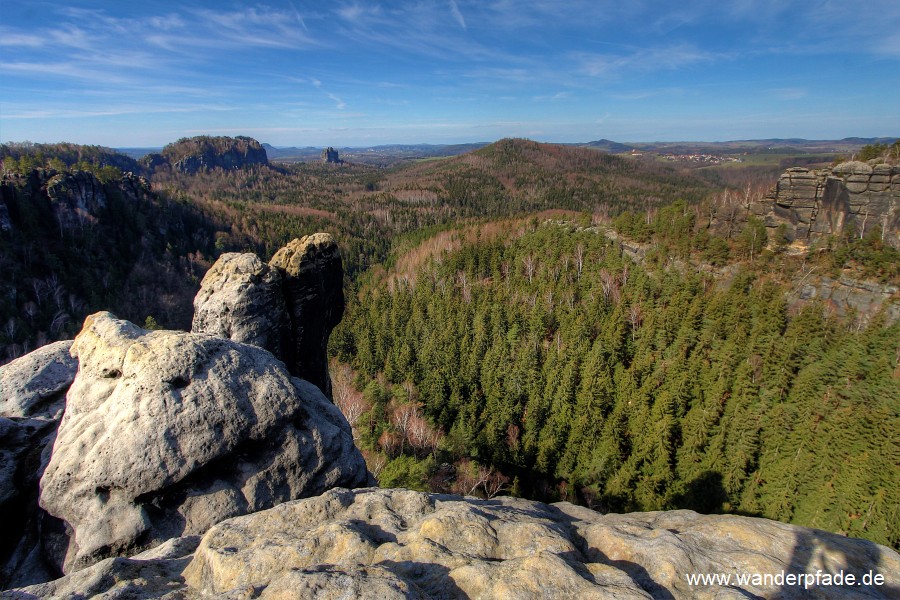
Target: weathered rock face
288,307
166,433
846,294
35,385
191,155
853,195
72,197
373,543
314,295
241,299
330,155
76,191
32,398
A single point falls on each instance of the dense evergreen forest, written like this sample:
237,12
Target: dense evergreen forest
547,364
499,336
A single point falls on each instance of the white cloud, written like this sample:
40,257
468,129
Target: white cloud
454,10
338,103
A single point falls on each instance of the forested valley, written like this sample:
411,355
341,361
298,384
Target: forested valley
503,334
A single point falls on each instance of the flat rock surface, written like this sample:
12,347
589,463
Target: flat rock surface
382,543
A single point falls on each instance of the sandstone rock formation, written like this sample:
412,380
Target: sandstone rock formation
166,433
330,155
241,299
32,398
72,197
816,203
314,296
372,543
203,153
288,307
846,294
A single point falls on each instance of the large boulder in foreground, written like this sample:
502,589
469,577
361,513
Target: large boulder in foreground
374,543
288,307
167,433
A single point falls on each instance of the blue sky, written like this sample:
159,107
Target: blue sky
297,72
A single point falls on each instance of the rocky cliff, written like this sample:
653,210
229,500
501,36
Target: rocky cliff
288,307
127,437
203,153
378,543
852,197
72,197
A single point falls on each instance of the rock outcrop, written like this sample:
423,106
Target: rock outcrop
204,153
241,299
852,196
162,434
372,543
166,433
330,155
74,198
32,399
846,295
314,295
288,307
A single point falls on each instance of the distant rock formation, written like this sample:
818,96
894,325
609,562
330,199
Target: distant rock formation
73,197
288,307
852,196
372,543
330,155
204,153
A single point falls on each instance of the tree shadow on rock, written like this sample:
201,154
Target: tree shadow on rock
705,494
818,554
431,578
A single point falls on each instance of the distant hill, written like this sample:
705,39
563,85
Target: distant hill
292,154
515,175
794,145
384,155
65,155
609,146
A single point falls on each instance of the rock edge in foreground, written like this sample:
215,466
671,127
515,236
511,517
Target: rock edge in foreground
394,543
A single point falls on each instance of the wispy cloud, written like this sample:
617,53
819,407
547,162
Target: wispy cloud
645,59
338,103
454,10
644,94
110,111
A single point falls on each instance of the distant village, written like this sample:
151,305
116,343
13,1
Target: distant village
709,159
